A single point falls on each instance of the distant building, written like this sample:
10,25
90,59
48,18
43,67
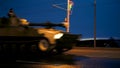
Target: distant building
100,42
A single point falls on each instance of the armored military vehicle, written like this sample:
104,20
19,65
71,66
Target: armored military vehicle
20,36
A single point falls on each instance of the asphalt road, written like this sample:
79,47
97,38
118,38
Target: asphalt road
75,58
101,52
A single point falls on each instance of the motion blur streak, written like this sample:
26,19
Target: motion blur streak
56,66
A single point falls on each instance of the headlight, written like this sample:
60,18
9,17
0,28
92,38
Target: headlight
58,36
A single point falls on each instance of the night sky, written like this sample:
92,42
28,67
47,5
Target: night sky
82,17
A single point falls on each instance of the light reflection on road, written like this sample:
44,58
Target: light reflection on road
55,66
69,61
72,59
58,61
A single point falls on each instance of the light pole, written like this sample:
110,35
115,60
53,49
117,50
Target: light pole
67,19
68,16
94,23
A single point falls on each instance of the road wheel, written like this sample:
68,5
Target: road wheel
22,48
43,45
33,48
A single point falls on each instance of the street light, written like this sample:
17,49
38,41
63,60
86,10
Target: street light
94,23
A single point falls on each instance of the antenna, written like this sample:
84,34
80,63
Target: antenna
57,6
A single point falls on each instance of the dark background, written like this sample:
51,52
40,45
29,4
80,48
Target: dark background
82,17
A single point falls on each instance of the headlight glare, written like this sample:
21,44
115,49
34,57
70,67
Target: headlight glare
58,36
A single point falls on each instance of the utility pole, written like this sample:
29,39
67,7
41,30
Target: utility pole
94,23
68,12
68,16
